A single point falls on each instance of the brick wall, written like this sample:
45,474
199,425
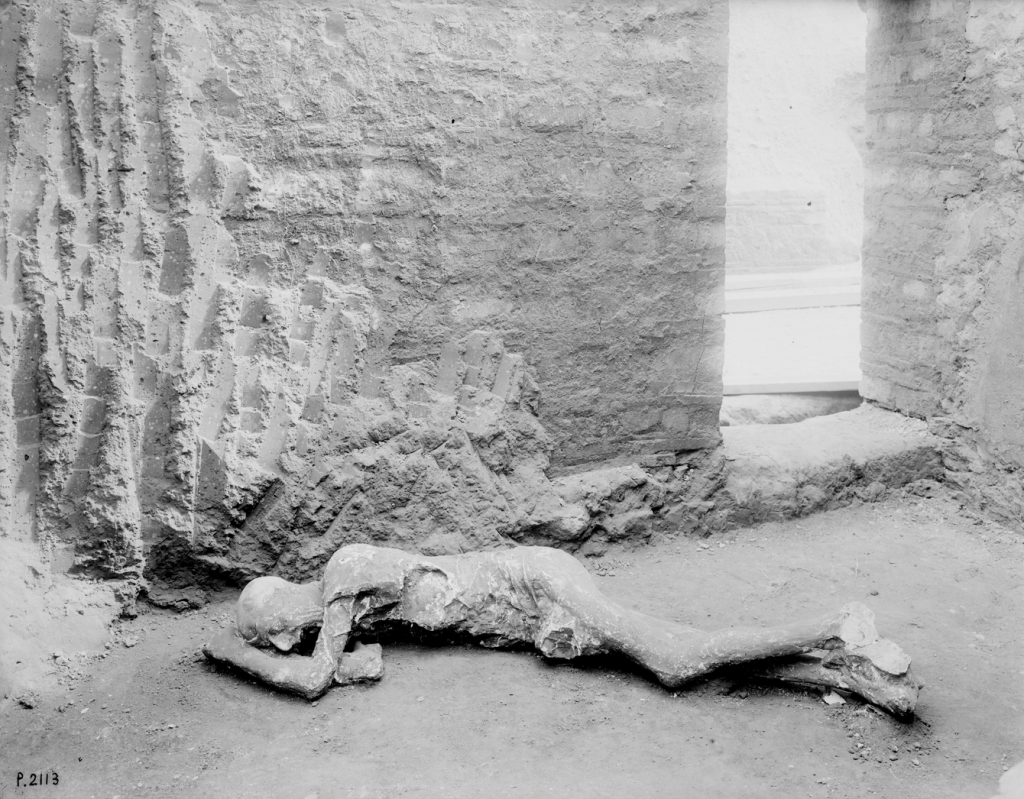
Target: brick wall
225,225
944,243
552,172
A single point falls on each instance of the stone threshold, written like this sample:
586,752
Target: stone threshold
783,471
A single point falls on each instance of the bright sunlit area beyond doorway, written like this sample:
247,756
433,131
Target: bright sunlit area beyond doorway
794,209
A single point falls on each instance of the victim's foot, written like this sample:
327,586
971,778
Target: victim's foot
856,660
857,625
872,667
879,672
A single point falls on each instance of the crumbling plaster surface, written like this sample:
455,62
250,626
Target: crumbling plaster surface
258,261
551,172
943,320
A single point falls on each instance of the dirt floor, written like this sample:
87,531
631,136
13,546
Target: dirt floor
153,718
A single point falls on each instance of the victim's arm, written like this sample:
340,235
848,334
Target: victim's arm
306,676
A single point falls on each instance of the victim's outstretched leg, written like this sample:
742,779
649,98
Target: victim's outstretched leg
841,650
585,621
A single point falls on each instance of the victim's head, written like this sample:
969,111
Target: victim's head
274,612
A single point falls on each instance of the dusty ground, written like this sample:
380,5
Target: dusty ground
42,613
153,719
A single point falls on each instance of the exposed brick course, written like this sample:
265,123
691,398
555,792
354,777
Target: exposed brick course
944,241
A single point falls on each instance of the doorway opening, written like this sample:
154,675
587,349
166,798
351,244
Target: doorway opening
794,209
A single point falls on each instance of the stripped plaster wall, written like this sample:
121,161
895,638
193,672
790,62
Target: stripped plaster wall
245,247
943,309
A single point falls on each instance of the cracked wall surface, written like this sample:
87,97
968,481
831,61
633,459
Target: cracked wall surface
943,318
253,252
